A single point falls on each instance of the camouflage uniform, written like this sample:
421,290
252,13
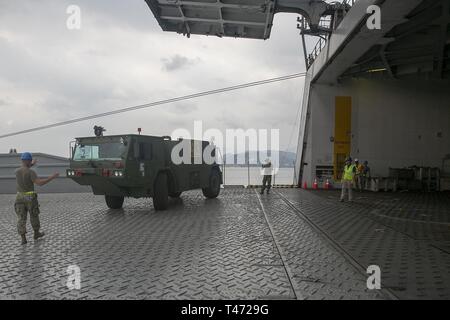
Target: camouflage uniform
23,205
26,200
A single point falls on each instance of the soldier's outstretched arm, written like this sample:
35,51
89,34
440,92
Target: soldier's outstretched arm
42,182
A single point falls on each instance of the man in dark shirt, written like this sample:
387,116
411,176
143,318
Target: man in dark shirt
26,199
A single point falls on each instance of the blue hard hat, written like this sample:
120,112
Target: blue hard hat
26,156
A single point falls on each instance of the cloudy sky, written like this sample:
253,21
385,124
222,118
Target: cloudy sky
120,58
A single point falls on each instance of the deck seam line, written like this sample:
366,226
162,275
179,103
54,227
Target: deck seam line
360,268
289,274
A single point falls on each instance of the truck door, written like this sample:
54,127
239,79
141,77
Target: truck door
147,161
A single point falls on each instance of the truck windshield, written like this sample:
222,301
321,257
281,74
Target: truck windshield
100,151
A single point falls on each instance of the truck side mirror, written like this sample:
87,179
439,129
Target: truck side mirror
72,149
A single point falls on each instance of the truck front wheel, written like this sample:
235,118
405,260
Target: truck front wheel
214,185
161,193
114,202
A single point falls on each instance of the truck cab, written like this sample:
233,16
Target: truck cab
141,166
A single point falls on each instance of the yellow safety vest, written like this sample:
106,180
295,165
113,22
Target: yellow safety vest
348,172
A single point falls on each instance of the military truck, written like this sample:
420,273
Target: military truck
141,166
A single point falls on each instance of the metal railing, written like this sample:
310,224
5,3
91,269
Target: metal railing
349,2
325,22
252,176
316,51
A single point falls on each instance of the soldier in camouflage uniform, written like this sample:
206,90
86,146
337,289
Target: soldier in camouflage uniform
26,200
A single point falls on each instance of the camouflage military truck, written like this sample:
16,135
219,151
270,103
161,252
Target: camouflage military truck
140,166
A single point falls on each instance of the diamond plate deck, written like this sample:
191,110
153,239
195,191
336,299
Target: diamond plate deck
198,249
240,246
407,235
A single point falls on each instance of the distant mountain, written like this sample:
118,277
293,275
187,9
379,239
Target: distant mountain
286,159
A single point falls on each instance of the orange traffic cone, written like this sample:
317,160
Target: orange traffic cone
327,185
305,185
315,184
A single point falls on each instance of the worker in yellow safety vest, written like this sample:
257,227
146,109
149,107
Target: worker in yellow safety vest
358,175
348,178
